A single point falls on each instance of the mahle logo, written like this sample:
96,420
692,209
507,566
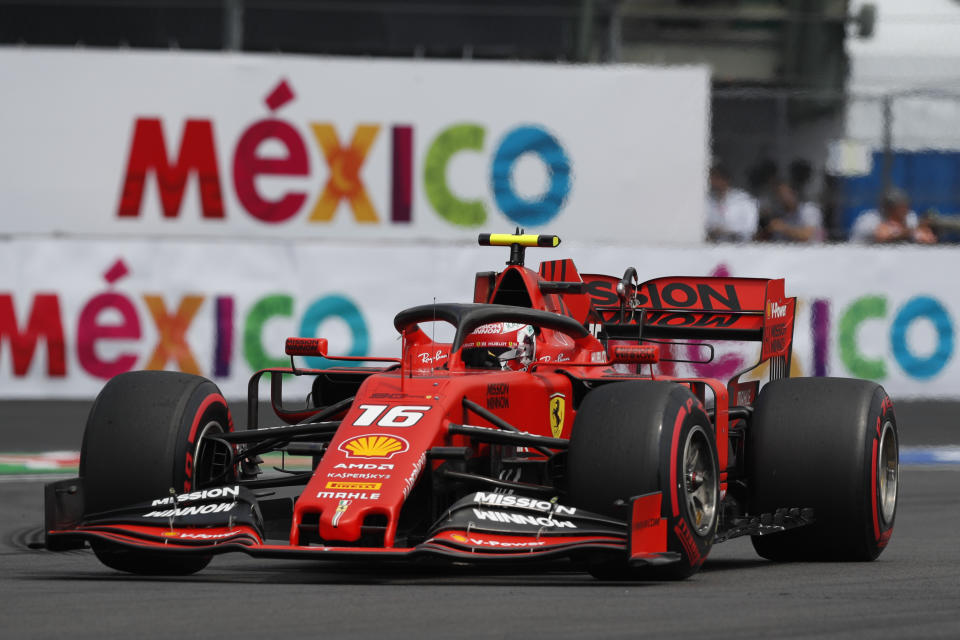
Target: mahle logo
256,157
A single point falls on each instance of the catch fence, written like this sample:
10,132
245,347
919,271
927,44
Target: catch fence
842,151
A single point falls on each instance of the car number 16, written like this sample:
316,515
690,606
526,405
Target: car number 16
398,416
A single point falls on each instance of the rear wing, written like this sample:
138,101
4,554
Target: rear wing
753,309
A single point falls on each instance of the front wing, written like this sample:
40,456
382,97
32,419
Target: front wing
480,528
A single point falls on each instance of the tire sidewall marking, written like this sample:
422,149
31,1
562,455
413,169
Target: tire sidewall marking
881,531
210,400
675,443
693,547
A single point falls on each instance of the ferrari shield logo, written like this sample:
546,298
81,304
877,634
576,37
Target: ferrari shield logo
556,414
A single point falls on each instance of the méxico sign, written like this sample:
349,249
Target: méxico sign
74,313
187,144
197,158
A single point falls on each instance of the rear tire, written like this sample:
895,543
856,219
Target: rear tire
144,437
633,438
830,444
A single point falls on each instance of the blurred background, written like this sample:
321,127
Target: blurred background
842,97
184,184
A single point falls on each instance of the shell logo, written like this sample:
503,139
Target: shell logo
372,445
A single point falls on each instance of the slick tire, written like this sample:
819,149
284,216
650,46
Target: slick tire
639,437
144,438
830,444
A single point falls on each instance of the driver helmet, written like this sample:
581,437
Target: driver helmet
507,346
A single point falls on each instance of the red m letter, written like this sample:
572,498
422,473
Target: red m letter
148,152
44,322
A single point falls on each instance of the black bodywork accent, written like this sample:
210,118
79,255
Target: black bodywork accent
63,507
512,290
333,386
765,523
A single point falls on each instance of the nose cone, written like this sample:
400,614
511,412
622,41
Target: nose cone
372,463
361,477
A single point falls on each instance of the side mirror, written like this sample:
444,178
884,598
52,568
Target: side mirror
306,347
636,354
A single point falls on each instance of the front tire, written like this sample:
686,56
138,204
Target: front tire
633,438
144,437
830,444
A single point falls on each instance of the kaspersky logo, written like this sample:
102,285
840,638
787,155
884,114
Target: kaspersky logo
373,446
257,170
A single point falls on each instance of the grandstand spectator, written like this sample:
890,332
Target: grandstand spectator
895,222
731,212
792,219
831,204
762,179
800,174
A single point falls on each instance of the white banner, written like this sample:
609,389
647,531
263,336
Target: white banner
73,313
151,144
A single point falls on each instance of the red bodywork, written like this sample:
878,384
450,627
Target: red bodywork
358,500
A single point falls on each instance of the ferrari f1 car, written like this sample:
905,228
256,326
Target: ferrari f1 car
546,428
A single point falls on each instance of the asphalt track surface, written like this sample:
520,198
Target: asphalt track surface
913,590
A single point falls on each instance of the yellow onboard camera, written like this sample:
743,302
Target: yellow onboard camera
517,242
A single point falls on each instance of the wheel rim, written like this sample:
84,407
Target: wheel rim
209,460
888,473
700,481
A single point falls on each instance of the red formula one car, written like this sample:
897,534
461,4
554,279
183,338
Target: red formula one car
543,429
